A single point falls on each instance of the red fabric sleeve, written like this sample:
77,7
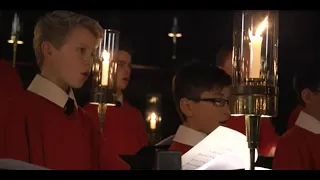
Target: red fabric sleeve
13,140
107,158
110,161
183,148
288,155
143,137
268,138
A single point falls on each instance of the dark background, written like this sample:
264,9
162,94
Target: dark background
203,34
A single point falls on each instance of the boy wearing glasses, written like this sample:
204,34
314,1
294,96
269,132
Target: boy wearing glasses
200,93
298,148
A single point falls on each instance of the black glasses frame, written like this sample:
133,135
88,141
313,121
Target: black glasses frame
219,102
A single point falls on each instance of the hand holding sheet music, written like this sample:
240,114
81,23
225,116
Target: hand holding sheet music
224,148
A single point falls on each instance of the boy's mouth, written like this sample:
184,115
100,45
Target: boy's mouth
86,74
223,123
126,79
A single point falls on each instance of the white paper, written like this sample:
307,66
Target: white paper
224,162
231,145
12,164
261,168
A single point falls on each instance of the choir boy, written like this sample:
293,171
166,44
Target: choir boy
298,148
122,121
60,135
200,93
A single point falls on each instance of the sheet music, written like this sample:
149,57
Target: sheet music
12,164
220,142
224,162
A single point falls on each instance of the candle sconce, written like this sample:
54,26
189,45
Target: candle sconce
104,73
153,116
255,71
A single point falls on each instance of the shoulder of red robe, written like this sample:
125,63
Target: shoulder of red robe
188,136
309,123
50,91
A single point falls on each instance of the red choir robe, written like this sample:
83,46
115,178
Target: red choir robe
268,137
185,139
12,130
294,116
298,148
58,141
123,128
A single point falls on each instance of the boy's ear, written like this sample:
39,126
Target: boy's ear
186,107
46,48
306,95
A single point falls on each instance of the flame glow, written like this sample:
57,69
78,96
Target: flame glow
262,26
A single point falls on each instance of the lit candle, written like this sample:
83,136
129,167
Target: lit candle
105,68
255,49
153,121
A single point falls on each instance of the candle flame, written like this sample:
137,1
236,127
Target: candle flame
153,121
262,26
153,99
153,116
105,55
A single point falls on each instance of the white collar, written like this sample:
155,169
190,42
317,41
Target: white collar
188,136
45,88
308,123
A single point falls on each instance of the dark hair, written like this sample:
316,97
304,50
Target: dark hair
195,78
126,45
308,77
222,55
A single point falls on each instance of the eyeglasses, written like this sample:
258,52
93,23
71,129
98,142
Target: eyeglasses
219,102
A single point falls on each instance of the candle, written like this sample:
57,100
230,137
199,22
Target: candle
255,49
105,68
153,121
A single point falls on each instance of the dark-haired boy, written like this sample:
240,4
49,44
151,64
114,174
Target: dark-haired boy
200,93
298,148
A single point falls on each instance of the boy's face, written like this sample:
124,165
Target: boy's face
124,69
74,59
312,101
211,111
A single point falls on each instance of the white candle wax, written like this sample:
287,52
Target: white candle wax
255,56
105,68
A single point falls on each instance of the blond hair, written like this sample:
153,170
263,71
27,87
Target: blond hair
55,27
